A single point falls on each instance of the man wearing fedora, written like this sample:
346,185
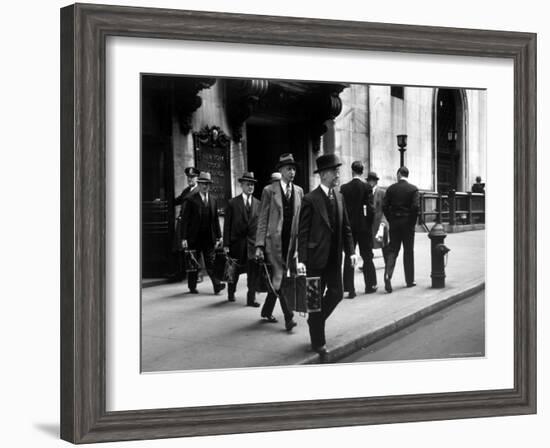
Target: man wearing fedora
277,232
324,233
380,226
359,205
239,236
401,205
201,229
192,174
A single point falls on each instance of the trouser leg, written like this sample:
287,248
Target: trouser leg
209,253
365,249
408,255
393,248
331,286
251,276
269,304
232,287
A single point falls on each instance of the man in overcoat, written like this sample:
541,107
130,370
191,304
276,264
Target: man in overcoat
360,207
201,230
324,233
380,226
401,205
239,236
277,232
179,265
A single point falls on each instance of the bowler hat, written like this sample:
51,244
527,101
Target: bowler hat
191,171
248,176
327,162
205,177
372,176
286,159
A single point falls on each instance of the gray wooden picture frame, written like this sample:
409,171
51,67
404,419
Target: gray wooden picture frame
84,29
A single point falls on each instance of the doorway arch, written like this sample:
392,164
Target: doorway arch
450,156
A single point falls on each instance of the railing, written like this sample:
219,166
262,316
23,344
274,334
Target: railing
454,208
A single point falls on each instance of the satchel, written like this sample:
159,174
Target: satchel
230,271
191,261
263,279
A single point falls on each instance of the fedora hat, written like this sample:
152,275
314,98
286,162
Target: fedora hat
205,177
286,159
372,176
248,176
275,177
327,162
191,171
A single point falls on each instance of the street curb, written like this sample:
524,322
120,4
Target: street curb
347,348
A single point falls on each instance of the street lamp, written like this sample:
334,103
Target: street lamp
402,143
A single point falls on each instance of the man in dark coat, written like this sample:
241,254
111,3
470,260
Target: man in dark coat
400,207
324,233
179,265
201,230
359,205
239,236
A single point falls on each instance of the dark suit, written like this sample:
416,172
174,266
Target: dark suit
400,207
239,234
201,228
178,263
360,207
323,235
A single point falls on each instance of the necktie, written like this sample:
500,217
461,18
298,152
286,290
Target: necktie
247,205
288,191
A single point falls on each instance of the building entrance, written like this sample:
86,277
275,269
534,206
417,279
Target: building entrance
266,141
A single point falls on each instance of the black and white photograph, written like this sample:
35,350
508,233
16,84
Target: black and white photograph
294,222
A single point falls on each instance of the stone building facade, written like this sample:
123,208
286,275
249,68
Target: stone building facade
229,126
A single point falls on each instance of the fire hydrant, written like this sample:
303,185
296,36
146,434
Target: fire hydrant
437,236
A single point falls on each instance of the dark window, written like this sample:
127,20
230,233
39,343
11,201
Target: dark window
398,92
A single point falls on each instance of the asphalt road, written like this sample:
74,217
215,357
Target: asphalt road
454,332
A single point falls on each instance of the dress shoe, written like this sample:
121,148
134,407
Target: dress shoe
387,285
253,304
218,288
351,295
321,350
271,319
371,289
290,324
411,284
231,298
193,291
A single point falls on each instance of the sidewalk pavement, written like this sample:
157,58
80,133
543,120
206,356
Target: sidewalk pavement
182,331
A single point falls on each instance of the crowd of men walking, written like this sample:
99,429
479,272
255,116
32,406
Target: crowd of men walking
301,234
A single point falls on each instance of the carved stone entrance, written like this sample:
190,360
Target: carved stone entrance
273,117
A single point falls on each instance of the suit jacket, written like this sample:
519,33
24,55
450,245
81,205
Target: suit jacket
184,195
193,218
359,205
401,200
315,232
379,218
239,230
270,225
180,200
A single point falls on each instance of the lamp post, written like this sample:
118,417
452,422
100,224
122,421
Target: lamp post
452,136
402,143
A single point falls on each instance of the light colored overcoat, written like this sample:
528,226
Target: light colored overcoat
379,218
270,226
